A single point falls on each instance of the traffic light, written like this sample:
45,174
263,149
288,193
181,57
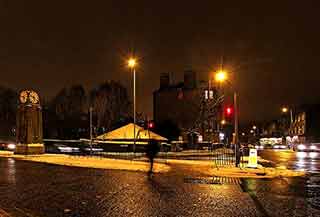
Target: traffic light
228,111
150,125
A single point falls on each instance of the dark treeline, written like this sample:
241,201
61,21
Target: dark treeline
66,116
8,108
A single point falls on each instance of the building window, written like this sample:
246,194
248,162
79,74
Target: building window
211,94
206,94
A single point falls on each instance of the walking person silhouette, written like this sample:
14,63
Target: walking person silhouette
151,152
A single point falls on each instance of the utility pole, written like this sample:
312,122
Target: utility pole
236,127
134,110
91,129
236,118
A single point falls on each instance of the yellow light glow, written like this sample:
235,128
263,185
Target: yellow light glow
284,109
221,76
132,62
223,122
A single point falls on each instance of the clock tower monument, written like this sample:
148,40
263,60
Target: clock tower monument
29,124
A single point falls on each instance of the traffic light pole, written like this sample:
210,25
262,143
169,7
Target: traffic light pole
236,118
236,127
91,130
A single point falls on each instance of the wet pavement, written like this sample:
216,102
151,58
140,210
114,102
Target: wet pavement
38,189
301,195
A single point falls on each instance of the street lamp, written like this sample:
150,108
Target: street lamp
221,76
131,64
285,110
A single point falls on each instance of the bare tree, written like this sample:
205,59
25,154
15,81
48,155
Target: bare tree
110,103
8,108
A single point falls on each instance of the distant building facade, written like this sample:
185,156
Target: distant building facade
305,126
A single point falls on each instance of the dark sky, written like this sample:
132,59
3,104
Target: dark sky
271,48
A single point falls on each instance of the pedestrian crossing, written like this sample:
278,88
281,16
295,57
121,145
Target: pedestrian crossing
217,180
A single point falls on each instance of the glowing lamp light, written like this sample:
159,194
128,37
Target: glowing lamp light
221,76
284,109
132,62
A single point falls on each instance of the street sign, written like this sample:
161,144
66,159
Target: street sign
253,159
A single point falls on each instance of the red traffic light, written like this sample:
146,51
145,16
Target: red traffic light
150,125
228,111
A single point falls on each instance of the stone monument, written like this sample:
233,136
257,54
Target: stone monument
29,124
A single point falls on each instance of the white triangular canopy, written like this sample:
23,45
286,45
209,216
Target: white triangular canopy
126,133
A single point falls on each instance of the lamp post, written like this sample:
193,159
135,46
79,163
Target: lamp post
285,110
221,76
131,64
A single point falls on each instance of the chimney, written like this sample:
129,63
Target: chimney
164,80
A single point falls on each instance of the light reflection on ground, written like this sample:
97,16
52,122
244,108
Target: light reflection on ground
303,161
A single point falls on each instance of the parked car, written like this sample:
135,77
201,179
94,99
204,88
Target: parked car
86,149
60,148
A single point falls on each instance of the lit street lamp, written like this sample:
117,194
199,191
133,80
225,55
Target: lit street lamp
220,77
285,110
131,64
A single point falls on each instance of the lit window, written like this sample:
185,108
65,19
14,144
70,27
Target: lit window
206,94
211,94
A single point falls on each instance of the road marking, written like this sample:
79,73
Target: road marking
215,180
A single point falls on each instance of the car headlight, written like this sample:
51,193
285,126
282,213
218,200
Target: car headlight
313,147
11,146
261,147
256,147
276,146
282,146
301,147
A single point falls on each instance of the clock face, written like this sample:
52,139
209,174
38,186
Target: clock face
24,96
34,98
29,96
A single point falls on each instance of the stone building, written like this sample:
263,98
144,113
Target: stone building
305,126
182,104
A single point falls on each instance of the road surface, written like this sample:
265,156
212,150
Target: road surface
37,189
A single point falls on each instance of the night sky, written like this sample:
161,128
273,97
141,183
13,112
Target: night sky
271,48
